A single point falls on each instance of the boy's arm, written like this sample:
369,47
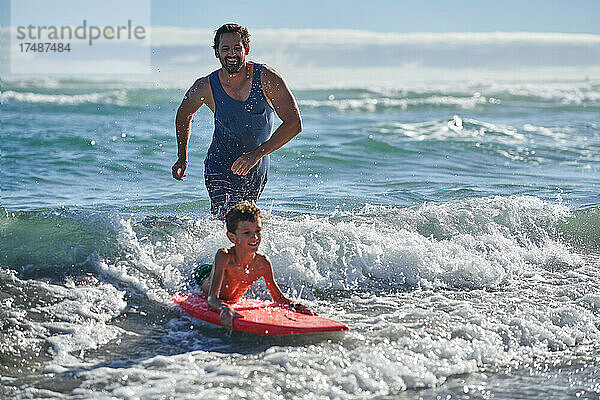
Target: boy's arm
277,294
226,313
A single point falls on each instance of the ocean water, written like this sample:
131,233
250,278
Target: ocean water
453,226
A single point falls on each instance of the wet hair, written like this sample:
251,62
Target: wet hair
244,211
232,28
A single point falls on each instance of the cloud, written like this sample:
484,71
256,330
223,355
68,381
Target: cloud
353,48
175,36
342,57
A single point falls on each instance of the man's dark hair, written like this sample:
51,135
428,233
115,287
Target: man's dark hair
232,28
244,211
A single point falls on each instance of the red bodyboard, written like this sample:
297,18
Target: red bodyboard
259,317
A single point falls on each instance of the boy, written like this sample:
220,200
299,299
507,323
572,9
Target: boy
238,267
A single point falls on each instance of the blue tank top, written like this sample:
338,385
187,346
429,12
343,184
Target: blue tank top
240,127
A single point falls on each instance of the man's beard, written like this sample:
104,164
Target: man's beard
232,68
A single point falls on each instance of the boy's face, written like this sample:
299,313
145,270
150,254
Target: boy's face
247,236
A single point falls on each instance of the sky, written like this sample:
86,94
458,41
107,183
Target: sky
568,16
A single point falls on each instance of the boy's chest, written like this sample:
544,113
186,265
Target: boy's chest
241,275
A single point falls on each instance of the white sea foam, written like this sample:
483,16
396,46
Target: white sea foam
76,320
144,260
474,244
398,342
111,97
81,321
477,243
373,104
490,285
563,92
455,127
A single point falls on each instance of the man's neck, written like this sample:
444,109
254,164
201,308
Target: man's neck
237,78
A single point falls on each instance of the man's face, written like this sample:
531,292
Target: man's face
231,52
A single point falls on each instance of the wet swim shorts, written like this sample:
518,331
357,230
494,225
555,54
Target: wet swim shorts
201,272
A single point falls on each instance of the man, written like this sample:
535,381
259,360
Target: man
243,97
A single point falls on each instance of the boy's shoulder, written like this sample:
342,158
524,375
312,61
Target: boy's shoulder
224,250
262,262
223,255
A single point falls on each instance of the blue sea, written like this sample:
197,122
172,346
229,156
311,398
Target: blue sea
454,227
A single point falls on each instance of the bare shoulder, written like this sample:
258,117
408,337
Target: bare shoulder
271,77
197,95
223,257
263,258
263,262
278,94
270,72
201,87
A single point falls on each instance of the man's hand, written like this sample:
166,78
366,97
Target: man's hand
179,169
244,163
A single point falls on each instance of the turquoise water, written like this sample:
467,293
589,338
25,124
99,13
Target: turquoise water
77,144
452,226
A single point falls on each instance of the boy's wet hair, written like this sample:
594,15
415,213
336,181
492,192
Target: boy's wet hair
232,28
244,211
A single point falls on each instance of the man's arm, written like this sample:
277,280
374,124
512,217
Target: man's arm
195,97
282,100
275,291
